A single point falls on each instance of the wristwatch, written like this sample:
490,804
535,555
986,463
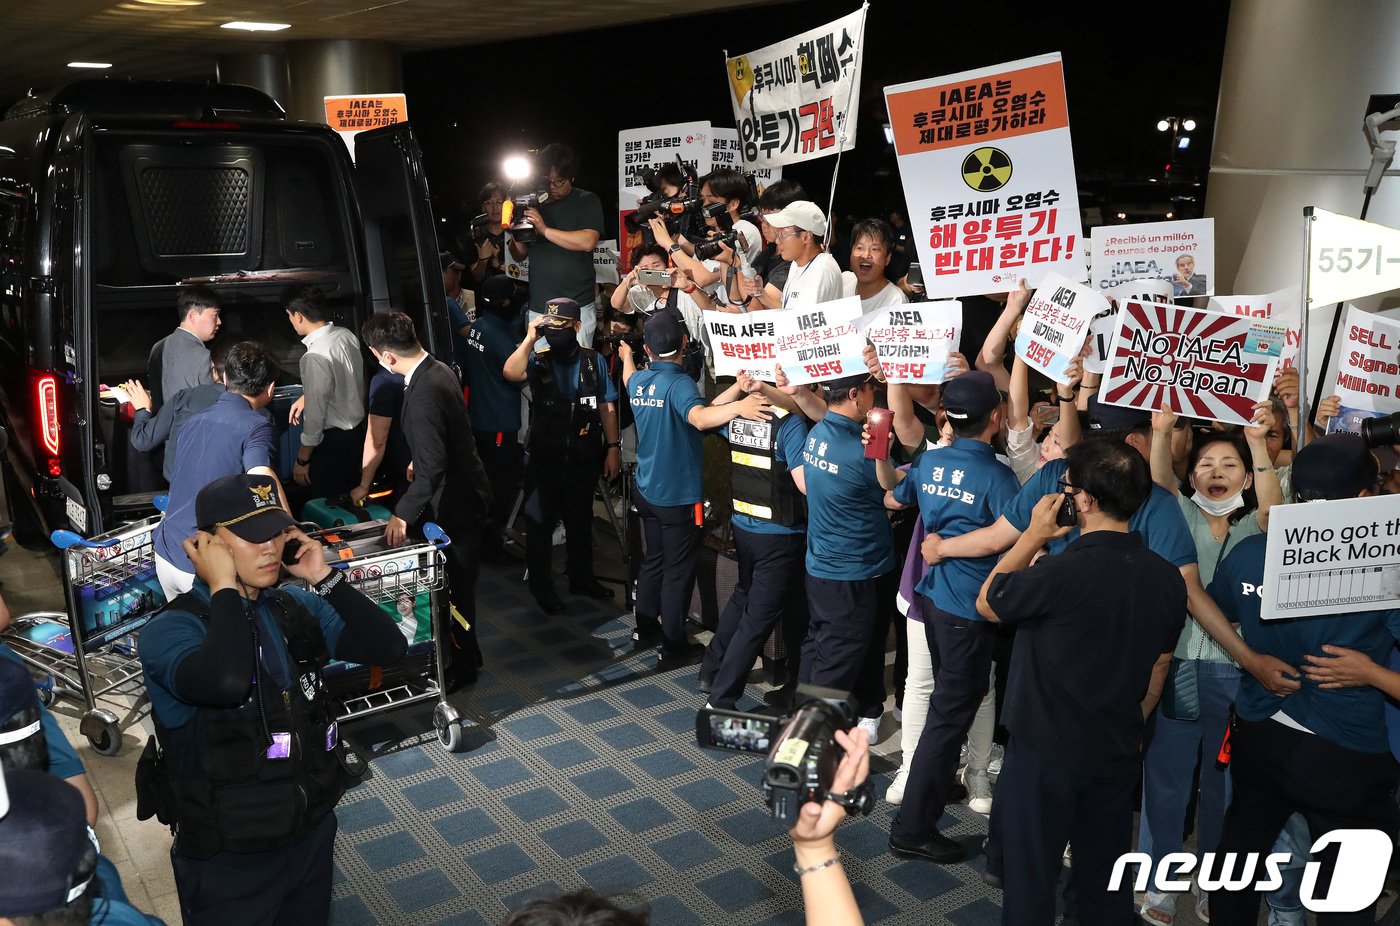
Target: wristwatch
301,462
675,246
1074,391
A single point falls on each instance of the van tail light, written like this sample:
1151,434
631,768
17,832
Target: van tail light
46,394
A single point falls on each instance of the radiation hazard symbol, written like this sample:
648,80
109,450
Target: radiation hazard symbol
986,169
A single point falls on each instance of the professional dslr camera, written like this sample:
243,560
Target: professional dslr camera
513,215
480,230
681,212
709,249
802,750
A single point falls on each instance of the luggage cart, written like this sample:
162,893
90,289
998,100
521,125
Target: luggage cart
410,583
90,653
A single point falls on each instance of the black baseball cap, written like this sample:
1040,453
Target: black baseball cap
560,313
448,259
1104,417
244,503
43,841
17,695
1336,466
970,395
496,294
663,334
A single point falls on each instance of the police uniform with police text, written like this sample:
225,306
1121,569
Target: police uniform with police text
769,521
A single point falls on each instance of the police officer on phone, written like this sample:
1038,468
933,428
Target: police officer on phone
573,439
249,764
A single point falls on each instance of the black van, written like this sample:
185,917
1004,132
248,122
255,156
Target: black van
112,195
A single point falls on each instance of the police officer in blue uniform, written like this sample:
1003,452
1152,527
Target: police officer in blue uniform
958,489
849,544
574,407
770,538
250,762
494,402
670,416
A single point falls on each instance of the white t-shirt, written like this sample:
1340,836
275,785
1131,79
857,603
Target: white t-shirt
818,282
753,239
890,295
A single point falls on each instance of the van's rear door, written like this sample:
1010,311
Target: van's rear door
400,238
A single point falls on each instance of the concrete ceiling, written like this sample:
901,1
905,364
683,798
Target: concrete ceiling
181,39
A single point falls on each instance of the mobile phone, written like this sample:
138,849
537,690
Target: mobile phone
720,729
654,277
289,552
878,422
1067,516
915,278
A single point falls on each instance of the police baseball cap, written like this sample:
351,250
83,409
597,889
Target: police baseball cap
663,334
801,214
1103,417
17,696
560,313
44,843
970,395
1336,466
496,294
244,503
448,259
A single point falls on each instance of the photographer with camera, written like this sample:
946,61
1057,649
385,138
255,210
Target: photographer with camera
814,276
732,241
1097,625
668,289
670,415
489,236
574,409
567,225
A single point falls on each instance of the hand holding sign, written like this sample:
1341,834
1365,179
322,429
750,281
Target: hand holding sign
1055,324
916,342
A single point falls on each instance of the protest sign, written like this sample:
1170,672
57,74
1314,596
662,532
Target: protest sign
1282,307
1182,253
792,100
819,343
1368,370
1334,557
515,269
988,175
725,153
742,343
1055,324
1105,322
1202,364
913,340
605,262
1349,258
645,149
348,116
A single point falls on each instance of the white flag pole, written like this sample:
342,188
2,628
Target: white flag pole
850,92
1304,407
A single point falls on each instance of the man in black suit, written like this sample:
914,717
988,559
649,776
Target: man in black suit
448,484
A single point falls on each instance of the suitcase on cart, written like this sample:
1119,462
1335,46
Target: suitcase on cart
337,512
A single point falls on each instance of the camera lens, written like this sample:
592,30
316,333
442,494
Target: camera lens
1380,432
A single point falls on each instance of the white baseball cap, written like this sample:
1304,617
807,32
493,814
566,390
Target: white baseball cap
800,214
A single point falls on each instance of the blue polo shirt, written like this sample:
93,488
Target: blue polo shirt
848,532
494,401
458,319
1159,520
566,377
173,635
225,439
958,488
1353,718
787,450
669,460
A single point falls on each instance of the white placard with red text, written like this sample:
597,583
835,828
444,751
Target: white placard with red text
988,174
819,343
1368,367
649,148
913,341
1202,364
1055,324
1105,323
742,343
1282,307
725,153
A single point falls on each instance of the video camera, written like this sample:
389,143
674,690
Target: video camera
1382,431
802,750
681,212
513,215
480,230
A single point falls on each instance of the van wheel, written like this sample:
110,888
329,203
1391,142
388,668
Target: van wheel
28,531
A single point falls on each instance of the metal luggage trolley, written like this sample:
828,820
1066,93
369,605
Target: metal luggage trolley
90,653
410,582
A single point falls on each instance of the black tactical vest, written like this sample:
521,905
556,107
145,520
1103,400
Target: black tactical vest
762,487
